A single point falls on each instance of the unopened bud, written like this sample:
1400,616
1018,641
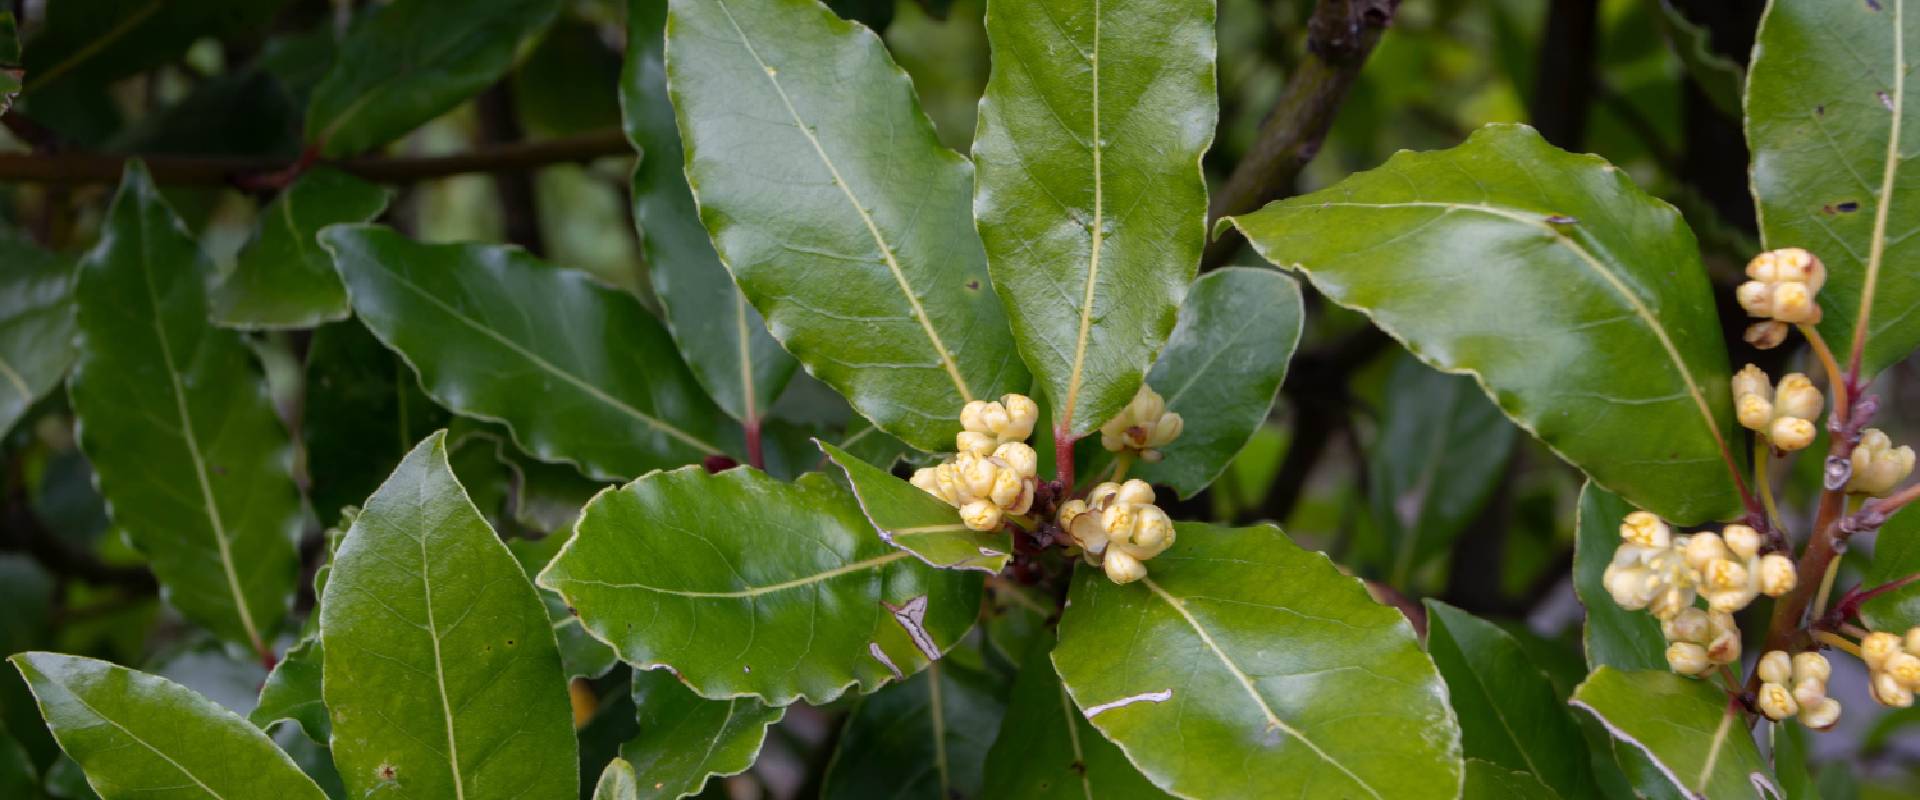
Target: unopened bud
1135,491
1775,667
971,416
1822,715
1756,297
973,442
924,478
1147,405
1791,433
1123,568
1690,625
1007,485
1776,702
1022,412
1912,640
1018,457
1777,575
1743,540
1751,380
1809,692
1166,430
1687,658
981,515
1766,335
1704,549
1724,575
1793,302
1809,665
1725,648
1797,397
1754,411
1670,602
1645,529
1905,668
1878,466
1887,691
1877,647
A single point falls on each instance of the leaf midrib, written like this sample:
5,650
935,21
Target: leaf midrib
439,666
137,738
886,250
756,591
1073,738
1877,246
1077,373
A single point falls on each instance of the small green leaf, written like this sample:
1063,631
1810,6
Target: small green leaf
283,279
617,782
1698,741
1614,636
1241,663
1791,760
442,676
867,268
292,692
1489,781
414,60
1827,119
723,338
1090,197
926,737
1220,371
141,736
1441,452
1577,300
744,585
685,738
1508,712
175,417
36,325
578,372
1047,750
912,520
1896,555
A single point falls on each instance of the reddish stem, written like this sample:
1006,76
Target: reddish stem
1063,458
755,455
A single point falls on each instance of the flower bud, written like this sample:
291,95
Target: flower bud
1152,533
1776,702
1912,640
924,478
1905,668
1687,658
1704,549
1022,412
1722,575
1018,457
1690,625
1811,666
1877,647
1799,266
981,515
1766,335
973,442
1102,495
1775,667
1725,648
1808,693
1791,433
1793,302
1083,525
995,417
1878,466
971,416
1166,430
1887,691
1751,380
1820,716
1731,600
1135,491
1628,586
1777,575
1147,405
1643,528
976,476
1744,541
1797,397
1670,602
1754,412
1007,486
1756,297
1123,568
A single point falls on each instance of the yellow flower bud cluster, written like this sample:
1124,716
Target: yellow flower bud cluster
1119,528
1730,570
1655,570
1145,424
1699,642
1781,293
1893,666
1797,685
1878,466
993,474
1784,415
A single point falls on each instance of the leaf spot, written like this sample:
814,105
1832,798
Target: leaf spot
1884,100
386,773
881,656
913,617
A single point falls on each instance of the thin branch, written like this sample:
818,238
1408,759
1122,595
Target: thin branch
74,167
1340,36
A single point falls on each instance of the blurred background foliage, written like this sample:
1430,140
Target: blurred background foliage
1406,476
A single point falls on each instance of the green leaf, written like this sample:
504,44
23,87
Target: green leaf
1719,78
1440,454
414,60
10,72
723,338
1699,743
175,417
912,520
1614,636
1220,371
82,44
926,737
1896,555
578,372
1827,120
1508,711
441,672
36,325
580,653
684,738
1576,300
1047,750
1242,662
283,279
1090,196
1790,760
138,735
292,692
744,585
1489,781
617,782
363,412
839,213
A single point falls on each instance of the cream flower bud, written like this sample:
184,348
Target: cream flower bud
1878,466
1887,691
1754,412
1905,668
1643,528
1822,715
1147,405
1793,302
1777,575
1690,625
1018,457
1081,523
1797,397
976,475
1102,495
924,478
1123,568
1756,297
1731,600
1687,658
1007,486
995,417
1743,540
1808,693
1668,603
1725,648
1912,640
1118,520
1877,647
1628,586
1135,491
981,515
1791,433
1166,430
971,416
1811,666
973,442
1704,549
1022,412
1776,702
1799,266
1724,575
1751,380
1152,533
1775,667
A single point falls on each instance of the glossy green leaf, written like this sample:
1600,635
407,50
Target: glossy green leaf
723,338
684,738
926,737
578,372
1509,713
1441,451
1576,300
283,279
1827,120
1047,750
580,654
1221,369
1699,743
745,585
82,44
1243,662
1090,197
617,782
175,417
1489,781
363,412
1790,750
36,325
442,677
1720,79
912,520
839,213
1614,636
414,60
293,693
1896,555
141,736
